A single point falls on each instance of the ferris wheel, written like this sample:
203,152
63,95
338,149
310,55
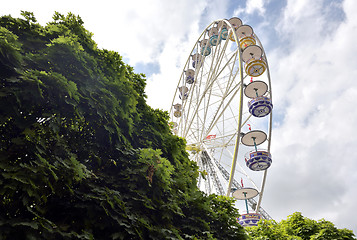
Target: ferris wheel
222,107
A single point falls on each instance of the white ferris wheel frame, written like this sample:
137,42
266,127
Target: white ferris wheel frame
238,88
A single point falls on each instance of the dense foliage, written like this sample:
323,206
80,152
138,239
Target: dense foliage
298,227
82,156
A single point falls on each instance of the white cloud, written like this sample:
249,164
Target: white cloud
255,6
177,47
251,7
136,29
314,86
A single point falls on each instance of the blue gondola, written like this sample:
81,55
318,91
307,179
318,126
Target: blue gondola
224,34
196,60
213,36
222,30
190,76
213,40
249,219
183,92
184,96
258,160
205,47
206,50
260,106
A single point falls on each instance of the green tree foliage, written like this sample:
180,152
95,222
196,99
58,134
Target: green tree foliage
298,227
82,156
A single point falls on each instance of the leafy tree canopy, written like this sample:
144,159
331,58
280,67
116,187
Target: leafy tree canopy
82,156
298,227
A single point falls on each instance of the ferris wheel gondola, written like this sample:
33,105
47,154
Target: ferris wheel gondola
219,96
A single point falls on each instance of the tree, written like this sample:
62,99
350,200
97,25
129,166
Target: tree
298,227
82,156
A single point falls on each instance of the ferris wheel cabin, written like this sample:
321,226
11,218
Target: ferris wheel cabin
183,92
190,76
259,105
205,47
196,60
235,23
245,36
213,36
249,219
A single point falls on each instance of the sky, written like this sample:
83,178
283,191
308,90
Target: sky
312,55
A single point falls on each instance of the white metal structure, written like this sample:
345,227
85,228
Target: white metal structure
210,109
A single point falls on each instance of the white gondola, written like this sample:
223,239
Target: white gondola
177,114
223,30
236,23
196,60
246,37
190,76
256,160
205,47
183,92
213,36
178,106
254,64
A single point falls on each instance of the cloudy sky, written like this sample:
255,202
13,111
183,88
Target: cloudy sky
312,56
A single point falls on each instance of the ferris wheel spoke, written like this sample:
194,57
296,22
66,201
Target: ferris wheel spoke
193,101
206,102
188,124
226,66
210,70
229,88
213,73
219,113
